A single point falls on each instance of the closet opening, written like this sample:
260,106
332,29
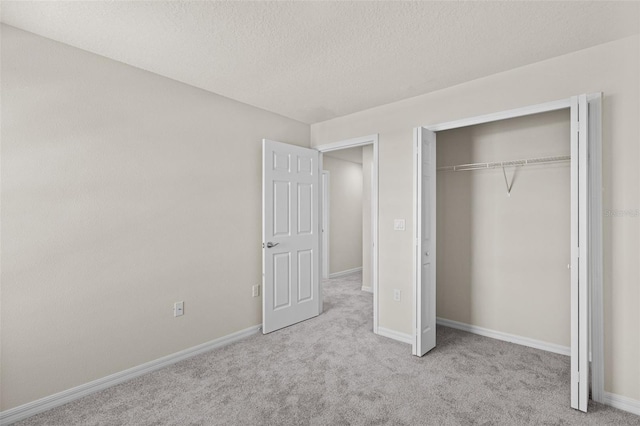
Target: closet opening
504,229
514,199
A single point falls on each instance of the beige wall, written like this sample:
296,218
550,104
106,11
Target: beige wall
345,203
502,259
613,68
367,232
122,193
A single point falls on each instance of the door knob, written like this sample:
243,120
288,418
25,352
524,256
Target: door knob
428,253
270,244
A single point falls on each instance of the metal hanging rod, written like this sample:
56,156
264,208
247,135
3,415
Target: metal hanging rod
482,166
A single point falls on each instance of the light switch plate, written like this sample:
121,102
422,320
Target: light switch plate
397,294
398,225
178,309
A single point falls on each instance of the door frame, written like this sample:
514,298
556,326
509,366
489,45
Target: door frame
595,316
352,143
326,205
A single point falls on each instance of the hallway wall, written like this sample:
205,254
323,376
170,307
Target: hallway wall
345,195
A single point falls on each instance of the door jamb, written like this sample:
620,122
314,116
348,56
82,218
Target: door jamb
352,143
326,181
596,313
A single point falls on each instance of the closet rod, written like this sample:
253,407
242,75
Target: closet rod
482,166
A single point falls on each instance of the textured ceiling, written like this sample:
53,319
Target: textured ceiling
313,61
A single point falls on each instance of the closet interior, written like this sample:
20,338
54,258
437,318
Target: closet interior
503,226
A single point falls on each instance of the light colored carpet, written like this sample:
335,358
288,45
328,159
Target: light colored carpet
332,370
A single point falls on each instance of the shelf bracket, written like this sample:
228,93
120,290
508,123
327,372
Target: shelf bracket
506,181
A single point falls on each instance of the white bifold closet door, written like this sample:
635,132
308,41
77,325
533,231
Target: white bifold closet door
579,253
425,241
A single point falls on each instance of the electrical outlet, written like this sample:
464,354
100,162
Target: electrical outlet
256,290
178,309
396,295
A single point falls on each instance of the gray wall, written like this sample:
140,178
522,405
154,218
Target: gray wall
367,232
345,203
122,193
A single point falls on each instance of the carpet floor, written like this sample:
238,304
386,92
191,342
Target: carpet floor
332,370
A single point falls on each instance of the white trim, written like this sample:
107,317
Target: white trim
375,225
395,335
416,260
575,255
367,289
499,335
502,115
38,406
595,236
622,402
326,217
321,248
345,272
350,143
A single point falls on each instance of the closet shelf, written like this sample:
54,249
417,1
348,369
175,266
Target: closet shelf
502,164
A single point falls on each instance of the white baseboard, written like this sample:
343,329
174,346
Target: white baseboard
367,289
524,341
29,409
622,402
346,272
395,335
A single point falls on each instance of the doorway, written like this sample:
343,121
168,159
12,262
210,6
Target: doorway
367,149
292,229
346,215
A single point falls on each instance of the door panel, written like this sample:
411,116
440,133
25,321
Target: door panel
305,276
579,253
425,241
281,281
305,208
281,219
291,237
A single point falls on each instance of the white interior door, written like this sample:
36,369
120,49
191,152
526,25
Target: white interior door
425,222
579,253
290,234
